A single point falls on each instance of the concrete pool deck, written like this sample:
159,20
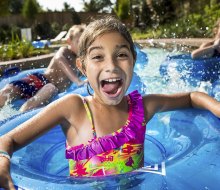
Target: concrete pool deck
40,61
185,44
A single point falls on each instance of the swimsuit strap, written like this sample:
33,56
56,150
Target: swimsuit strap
88,112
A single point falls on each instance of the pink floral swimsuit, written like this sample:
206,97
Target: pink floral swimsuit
116,153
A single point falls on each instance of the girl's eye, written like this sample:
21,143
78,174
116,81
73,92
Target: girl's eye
122,55
97,57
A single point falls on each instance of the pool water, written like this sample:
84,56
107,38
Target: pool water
150,76
156,83
181,147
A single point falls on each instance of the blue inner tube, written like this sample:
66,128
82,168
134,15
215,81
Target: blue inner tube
191,70
181,152
11,71
214,91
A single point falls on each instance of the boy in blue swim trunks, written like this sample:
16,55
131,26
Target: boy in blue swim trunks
29,85
38,88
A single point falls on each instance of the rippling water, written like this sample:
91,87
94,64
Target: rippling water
181,148
149,74
156,84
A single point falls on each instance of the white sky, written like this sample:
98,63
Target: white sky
58,4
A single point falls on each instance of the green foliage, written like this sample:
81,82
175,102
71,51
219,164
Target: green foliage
97,6
15,6
212,14
4,7
45,30
122,9
5,32
146,13
75,17
164,11
54,28
15,49
30,9
190,26
66,6
91,6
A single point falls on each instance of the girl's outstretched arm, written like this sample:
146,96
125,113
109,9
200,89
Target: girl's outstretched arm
33,128
160,102
204,101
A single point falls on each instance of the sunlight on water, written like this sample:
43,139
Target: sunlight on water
7,111
155,83
186,140
150,76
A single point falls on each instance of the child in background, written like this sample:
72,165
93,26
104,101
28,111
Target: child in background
39,88
209,49
104,132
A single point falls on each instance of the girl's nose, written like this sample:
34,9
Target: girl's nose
111,66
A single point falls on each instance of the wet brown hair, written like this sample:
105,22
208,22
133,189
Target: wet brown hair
100,27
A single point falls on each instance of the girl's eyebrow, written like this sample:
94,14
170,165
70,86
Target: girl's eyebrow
94,47
100,47
122,46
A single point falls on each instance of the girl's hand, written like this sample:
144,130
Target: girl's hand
5,177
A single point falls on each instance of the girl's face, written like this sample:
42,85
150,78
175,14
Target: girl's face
109,67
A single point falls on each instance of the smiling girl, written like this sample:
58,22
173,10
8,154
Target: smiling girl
104,132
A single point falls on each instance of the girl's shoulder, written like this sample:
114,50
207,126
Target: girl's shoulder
71,99
70,103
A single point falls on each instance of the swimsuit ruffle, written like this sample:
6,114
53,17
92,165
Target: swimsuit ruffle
134,130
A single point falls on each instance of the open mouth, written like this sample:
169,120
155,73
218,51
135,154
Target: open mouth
112,86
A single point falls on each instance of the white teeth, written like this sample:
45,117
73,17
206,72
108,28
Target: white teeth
112,80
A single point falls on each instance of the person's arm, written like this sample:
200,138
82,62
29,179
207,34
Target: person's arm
160,102
206,50
64,64
25,133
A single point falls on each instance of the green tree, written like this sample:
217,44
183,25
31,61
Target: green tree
30,9
91,6
15,6
145,13
122,9
4,7
66,6
75,17
164,11
97,6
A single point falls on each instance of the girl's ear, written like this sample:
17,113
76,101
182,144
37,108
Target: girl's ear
80,66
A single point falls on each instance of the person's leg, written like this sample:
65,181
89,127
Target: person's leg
40,98
9,93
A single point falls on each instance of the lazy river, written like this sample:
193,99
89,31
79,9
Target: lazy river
181,147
